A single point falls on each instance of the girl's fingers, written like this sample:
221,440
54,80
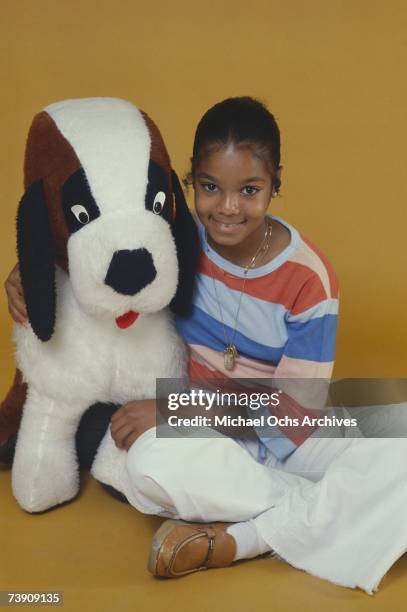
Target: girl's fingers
129,441
22,310
119,422
18,301
18,316
15,299
118,415
15,304
119,435
129,410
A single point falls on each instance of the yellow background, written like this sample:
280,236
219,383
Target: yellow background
332,72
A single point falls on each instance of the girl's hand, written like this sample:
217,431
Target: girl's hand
131,420
14,290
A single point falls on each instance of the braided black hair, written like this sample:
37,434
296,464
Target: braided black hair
243,121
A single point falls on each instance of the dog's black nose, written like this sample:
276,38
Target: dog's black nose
130,271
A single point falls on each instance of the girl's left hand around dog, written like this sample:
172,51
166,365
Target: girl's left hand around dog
14,290
131,420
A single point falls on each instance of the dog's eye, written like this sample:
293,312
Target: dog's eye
80,213
159,202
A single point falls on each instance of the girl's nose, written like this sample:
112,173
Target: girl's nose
229,204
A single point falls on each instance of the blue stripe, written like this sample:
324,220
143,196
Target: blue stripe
252,310
281,447
314,340
201,328
272,437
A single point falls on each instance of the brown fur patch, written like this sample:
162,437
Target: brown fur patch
50,157
11,408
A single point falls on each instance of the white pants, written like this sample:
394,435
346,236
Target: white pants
335,508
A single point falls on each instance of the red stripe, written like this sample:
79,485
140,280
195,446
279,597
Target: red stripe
197,370
281,286
288,407
312,293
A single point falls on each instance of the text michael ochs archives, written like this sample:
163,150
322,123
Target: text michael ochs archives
210,402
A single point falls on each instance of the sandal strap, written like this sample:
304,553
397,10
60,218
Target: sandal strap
211,534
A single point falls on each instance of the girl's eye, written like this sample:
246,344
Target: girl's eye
80,213
211,187
159,201
250,190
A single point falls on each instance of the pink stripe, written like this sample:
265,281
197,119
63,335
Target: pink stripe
244,367
303,368
305,256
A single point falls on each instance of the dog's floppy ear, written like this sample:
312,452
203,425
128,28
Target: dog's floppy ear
36,259
187,242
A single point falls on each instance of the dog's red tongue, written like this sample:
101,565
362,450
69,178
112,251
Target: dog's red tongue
126,319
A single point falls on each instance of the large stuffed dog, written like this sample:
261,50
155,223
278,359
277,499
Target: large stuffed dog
104,248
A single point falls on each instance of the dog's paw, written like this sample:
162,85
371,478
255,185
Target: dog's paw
42,482
108,463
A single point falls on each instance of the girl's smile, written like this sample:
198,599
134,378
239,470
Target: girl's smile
224,226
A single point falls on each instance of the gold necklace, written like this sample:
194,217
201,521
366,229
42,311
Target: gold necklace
230,352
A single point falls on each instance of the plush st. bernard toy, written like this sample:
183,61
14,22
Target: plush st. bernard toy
103,249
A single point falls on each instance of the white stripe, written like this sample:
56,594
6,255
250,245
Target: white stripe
327,307
258,320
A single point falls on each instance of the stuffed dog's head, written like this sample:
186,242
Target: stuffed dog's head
102,202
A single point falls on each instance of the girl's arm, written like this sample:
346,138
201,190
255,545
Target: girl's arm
134,418
14,290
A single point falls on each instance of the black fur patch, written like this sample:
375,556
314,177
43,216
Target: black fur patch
157,182
36,259
76,192
186,239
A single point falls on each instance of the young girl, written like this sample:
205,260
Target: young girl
265,307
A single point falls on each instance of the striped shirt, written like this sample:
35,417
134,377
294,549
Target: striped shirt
286,327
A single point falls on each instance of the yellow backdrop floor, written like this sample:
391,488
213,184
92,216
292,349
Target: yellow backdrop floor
95,548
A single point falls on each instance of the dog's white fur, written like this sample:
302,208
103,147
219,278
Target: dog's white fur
88,358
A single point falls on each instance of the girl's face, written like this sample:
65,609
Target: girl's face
232,192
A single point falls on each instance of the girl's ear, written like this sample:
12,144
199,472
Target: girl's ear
36,259
186,239
276,183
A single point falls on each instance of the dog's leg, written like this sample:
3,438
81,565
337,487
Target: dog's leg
109,462
45,468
